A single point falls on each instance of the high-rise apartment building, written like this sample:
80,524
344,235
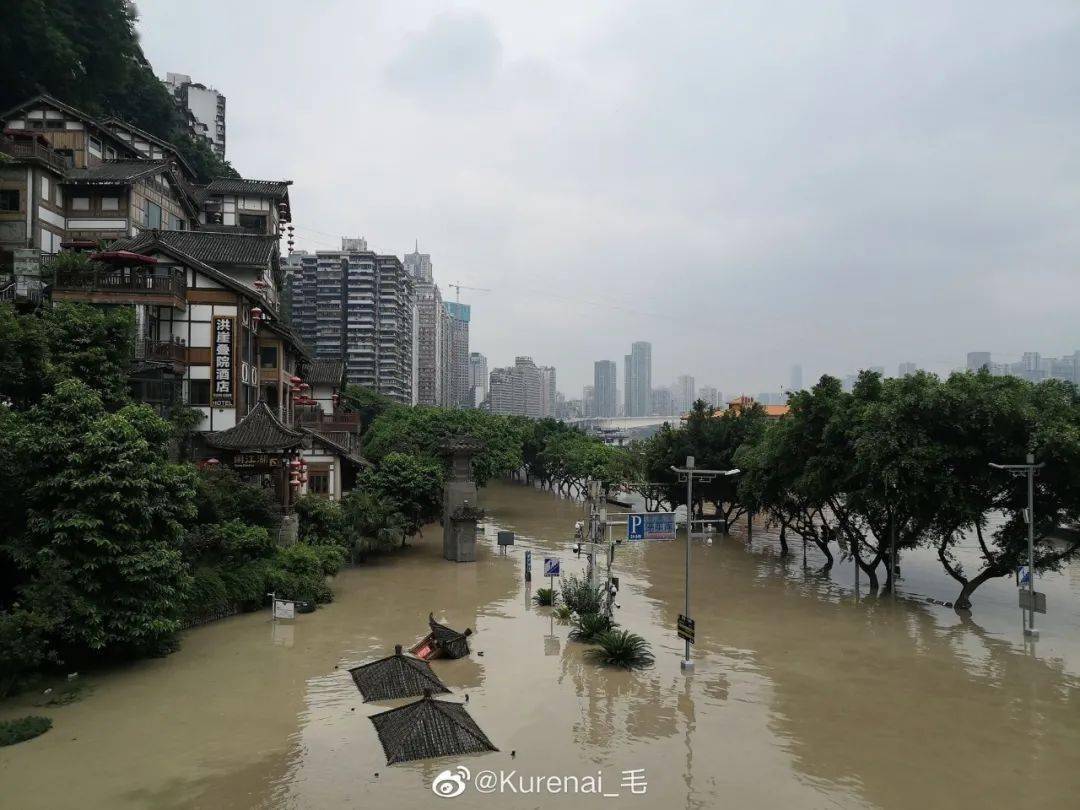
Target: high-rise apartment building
710,395
588,401
203,107
795,383
660,402
638,379
548,392
604,386
458,357
356,306
478,378
683,393
515,390
906,369
432,332
978,360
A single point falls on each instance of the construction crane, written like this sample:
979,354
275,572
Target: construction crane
460,287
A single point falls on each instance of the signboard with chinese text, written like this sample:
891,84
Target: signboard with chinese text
650,526
222,392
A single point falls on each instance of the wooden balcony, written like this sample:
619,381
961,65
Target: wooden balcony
165,287
167,352
32,150
315,419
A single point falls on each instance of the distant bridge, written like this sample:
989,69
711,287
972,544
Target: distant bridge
619,430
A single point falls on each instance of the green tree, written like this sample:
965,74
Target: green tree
92,344
24,355
100,556
413,484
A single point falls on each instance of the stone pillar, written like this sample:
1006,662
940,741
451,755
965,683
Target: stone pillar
459,533
460,494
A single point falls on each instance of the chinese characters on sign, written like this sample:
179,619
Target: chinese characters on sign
223,362
650,526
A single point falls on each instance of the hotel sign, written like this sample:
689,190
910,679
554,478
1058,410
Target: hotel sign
222,395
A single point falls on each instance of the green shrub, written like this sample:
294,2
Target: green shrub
545,597
247,584
208,591
590,627
222,496
23,728
23,646
562,613
581,596
621,648
321,521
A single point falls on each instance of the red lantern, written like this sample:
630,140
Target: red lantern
294,380
296,464
256,313
303,386
303,478
260,284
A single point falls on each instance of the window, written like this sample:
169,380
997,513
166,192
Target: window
80,203
319,483
251,222
53,123
60,196
110,203
44,187
153,215
198,392
95,147
9,199
268,357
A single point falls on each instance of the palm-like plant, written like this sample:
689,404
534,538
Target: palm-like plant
621,648
545,597
590,627
562,613
582,596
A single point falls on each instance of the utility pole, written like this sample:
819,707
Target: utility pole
1028,469
688,474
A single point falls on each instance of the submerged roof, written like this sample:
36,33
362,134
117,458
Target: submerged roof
259,430
209,246
429,728
396,676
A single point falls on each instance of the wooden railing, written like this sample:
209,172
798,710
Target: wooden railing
161,351
149,282
21,150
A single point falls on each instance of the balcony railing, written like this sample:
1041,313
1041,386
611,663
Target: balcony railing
23,151
123,283
161,351
319,421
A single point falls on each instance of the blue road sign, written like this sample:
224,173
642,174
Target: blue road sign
551,566
1023,575
650,526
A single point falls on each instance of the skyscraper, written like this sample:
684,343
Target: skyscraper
977,360
357,306
683,393
906,368
796,378
478,378
660,403
203,109
710,395
458,360
604,386
588,401
431,330
638,379
515,390
547,391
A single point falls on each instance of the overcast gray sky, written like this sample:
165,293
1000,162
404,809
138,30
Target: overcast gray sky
745,184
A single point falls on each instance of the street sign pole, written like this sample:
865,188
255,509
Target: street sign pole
689,471
1029,468
688,663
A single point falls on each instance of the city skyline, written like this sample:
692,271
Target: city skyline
833,247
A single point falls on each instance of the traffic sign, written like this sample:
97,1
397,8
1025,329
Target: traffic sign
551,566
506,538
686,628
1040,600
650,526
1023,575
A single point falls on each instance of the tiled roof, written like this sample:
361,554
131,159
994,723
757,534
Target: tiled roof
239,185
207,246
450,642
429,728
259,430
338,448
115,171
326,372
396,676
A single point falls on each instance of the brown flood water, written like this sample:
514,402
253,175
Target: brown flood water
803,695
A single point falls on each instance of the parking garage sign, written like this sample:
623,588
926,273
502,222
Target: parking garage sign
650,526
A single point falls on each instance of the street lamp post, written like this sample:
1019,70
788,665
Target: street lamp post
688,473
1028,469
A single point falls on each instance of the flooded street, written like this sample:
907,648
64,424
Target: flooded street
803,695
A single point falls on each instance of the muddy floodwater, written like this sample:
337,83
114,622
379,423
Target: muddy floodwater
805,694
